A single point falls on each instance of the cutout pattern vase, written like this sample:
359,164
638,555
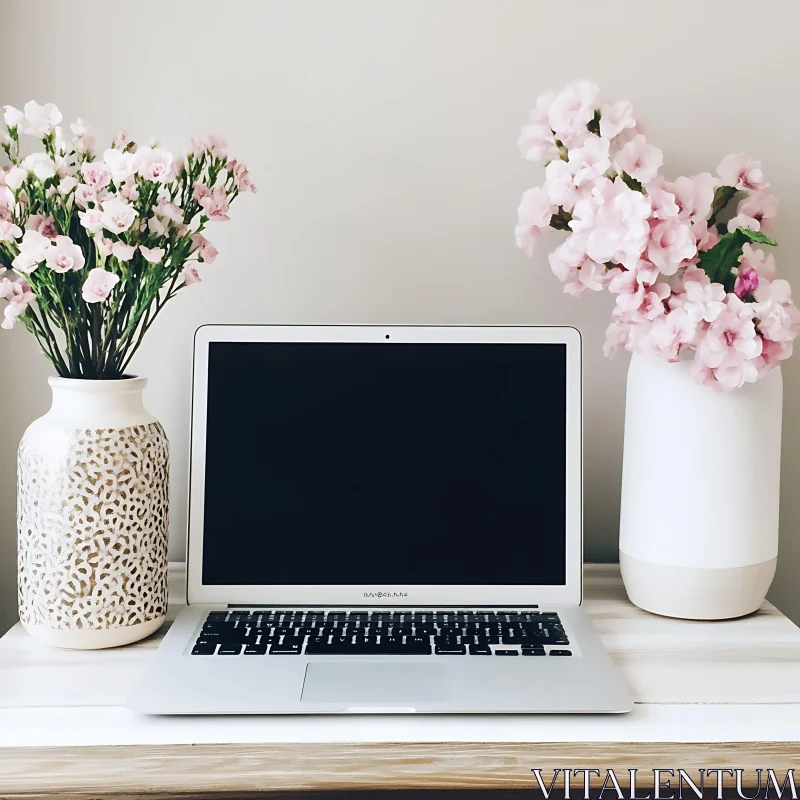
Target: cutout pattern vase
93,497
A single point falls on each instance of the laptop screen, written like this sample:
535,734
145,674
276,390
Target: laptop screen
372,463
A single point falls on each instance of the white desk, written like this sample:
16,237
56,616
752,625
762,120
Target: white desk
707,694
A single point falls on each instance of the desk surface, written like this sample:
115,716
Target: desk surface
707,695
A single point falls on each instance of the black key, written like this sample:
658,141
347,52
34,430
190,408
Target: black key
255,649
203,649
536,652
480,650
450,650
561,652
290,646
506,652
229,650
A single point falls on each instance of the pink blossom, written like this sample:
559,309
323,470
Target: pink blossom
190,275
746,282
573,109
694,195
200,191
536,141
566,259
778,318
15,178
122,251
705,237
704,302
154,255
91,220
96,174
64,255
41,165
668,335
104,245
215,146
83,138
9,232
40,121
129,190
168,210
216,205
534,215
121,140
84,195
741,172
589,276
639,160
772,353
98,285
206,251
32,251
44,225
155,164
117,215
763,263
615,118
66,185
241,177
662,202
123,165
614,221
755,212
671,243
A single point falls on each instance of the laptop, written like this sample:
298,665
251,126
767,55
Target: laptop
384,519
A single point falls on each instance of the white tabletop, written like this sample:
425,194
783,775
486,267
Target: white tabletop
707,684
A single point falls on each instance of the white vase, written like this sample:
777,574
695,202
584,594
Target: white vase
93,495
700,492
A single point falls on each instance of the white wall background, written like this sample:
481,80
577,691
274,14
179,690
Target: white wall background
382,137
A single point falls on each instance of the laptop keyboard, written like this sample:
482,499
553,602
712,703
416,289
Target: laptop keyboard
381,633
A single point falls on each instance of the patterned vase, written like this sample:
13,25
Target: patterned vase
93,503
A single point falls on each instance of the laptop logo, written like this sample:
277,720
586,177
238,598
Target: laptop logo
385,594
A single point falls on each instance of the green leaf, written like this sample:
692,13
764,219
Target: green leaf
722,197
757,236
630,182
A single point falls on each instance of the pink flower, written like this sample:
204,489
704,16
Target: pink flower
155,164
639,160
778,318
154,255
206,251
613,220
104,245
662,202
755,212
241,177
746,282
694,195
83,138
32,251
117,215
671,243
573,109
41,165
589,276
121,140
216,205
91,220
741,172
761,262
704,301
534,215
200,191
66,185
9,232
668,335
705,237
15,177
123,165
190,275
98,285
96,174
122,251
84,195
44,225
40,120
615,118
566,259
215,146
168,210
536,142
129,190
64,255
731,345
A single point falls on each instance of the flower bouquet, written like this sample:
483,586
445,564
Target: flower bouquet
97,244
91,249
683,257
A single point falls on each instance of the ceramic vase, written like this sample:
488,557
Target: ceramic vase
700,492
93,496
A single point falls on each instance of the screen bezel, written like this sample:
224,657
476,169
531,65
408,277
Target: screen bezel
569,593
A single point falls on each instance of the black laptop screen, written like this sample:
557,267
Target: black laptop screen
385,463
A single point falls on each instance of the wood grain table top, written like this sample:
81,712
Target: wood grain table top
707,695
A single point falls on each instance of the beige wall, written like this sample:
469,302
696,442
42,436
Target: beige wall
382,136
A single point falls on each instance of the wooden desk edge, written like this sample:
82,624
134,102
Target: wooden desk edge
215,770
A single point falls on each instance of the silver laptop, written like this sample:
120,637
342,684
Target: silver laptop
384,520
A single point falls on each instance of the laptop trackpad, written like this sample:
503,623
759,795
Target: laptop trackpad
374,684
